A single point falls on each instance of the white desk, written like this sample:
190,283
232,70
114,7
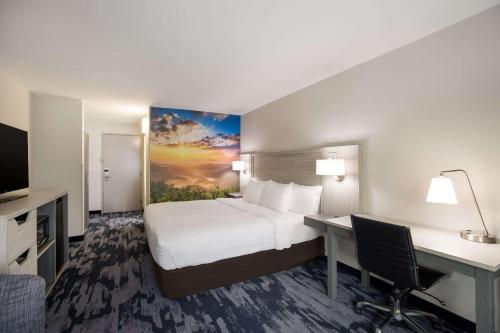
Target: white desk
436,248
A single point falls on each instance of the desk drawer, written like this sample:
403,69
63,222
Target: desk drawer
21,235
26,263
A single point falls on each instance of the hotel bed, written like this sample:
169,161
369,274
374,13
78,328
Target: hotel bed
198,245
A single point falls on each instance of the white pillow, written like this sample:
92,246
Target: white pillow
253,191
305,199
276,196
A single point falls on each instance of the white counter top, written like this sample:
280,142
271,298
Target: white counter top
440,242
35,199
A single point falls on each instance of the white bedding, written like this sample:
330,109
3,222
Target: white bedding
190,233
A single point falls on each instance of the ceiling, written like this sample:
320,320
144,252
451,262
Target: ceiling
228,56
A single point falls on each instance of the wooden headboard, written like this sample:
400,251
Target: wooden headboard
339,197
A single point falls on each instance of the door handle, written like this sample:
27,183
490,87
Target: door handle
106,174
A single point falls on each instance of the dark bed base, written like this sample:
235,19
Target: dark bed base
181,282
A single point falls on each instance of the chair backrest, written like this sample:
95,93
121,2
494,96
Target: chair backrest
386,250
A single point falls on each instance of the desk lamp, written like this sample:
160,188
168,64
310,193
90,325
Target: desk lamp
442,191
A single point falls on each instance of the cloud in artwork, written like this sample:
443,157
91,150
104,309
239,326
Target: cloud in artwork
170,129
219,116
214,116
163,122
219,140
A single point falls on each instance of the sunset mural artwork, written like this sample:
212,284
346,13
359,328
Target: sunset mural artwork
190,154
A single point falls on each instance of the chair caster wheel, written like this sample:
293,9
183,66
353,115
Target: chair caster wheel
357,308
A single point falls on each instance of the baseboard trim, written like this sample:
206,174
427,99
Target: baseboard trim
421,303
95,212
74,239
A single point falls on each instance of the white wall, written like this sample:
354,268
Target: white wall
57,139
95,128
14,104
429,106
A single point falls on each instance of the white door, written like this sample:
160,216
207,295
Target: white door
121,170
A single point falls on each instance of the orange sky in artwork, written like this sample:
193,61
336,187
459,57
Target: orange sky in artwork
205,167
189,156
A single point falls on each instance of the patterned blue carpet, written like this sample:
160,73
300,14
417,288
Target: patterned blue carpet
109,286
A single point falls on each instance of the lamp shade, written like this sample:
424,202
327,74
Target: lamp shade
442,191
238,166
145,125
330,167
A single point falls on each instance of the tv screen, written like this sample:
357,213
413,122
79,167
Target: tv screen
13,159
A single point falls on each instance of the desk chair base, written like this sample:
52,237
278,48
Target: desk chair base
395,312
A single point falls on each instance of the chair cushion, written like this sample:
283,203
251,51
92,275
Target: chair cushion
386,250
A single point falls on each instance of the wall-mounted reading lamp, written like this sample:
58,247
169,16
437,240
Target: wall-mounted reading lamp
442,191
239,166
331,167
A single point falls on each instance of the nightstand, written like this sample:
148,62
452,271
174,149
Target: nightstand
235,195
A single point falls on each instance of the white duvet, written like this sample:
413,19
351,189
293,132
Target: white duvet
190,233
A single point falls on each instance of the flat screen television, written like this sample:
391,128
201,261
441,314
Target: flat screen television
14,169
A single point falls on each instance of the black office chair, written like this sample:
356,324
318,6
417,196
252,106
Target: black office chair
387,250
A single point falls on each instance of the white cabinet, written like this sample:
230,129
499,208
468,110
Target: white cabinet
21,234
19,251
26,263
